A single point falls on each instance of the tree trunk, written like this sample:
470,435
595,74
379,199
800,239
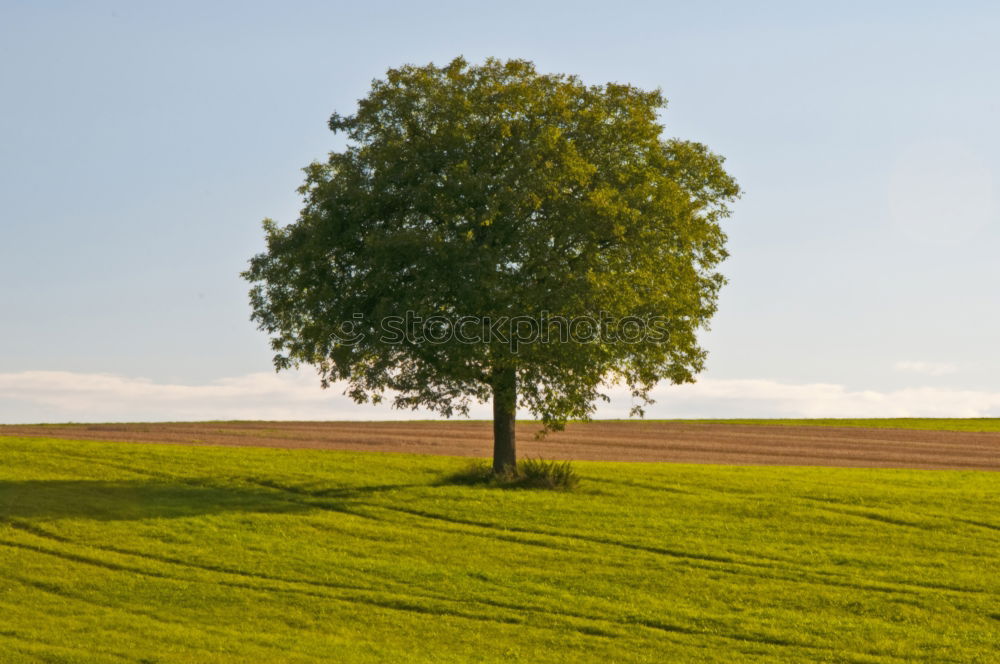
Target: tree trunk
504,414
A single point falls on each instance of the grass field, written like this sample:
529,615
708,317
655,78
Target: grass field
117,552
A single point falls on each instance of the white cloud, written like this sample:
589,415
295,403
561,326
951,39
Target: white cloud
765,398
56,396
926,368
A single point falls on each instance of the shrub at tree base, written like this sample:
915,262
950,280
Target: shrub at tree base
527,474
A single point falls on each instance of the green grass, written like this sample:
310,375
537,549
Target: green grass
975,424
115,552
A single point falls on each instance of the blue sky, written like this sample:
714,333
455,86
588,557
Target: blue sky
142,143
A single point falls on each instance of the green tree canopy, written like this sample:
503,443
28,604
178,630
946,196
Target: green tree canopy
496,192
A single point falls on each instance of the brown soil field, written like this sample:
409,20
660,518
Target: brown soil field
681,442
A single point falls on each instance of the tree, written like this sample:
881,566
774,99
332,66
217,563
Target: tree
479,212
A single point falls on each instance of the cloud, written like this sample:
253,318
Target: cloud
926,368
765,398
57,396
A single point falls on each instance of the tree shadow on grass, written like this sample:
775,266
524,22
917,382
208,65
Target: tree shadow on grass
134,499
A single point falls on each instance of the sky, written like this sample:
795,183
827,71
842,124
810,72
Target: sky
142,143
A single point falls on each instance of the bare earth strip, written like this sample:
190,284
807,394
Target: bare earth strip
684,442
